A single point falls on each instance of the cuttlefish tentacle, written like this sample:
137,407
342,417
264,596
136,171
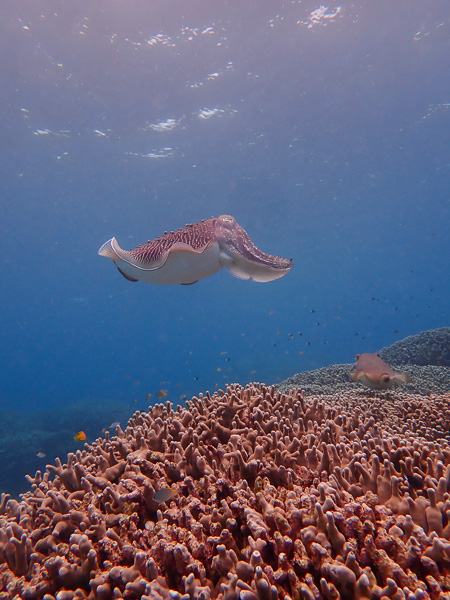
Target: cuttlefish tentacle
374,373
243,259
194,252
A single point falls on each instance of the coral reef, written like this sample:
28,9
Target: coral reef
279,496
325,380
335,379
425,357
430,347
24,434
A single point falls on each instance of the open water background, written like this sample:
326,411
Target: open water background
323,129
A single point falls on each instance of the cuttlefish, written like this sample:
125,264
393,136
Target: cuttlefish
372,372
194,252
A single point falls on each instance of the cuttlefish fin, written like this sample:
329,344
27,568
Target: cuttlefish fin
125,275
191,283
108,251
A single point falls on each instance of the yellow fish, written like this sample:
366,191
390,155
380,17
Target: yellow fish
41,455
161,394
80,436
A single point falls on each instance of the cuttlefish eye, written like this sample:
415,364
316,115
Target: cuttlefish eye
385,379
227,219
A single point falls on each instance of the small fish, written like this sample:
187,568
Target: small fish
41,455
219,369
148,397
164,495
183,397
114,425
80,436
161,394
372,372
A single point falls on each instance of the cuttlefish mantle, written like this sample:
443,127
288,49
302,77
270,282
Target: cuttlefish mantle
372,372
195,252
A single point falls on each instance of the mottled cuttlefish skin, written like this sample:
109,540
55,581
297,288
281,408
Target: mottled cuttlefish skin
372,372
194,252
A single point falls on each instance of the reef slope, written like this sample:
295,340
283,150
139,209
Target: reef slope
279,496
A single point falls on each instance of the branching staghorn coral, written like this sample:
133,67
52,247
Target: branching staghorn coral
278,497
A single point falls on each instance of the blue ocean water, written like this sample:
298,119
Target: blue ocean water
323,129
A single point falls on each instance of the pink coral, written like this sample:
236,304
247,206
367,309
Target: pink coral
279,497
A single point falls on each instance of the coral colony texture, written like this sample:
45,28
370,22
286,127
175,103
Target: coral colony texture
430,347
424,356
334,379
343,496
